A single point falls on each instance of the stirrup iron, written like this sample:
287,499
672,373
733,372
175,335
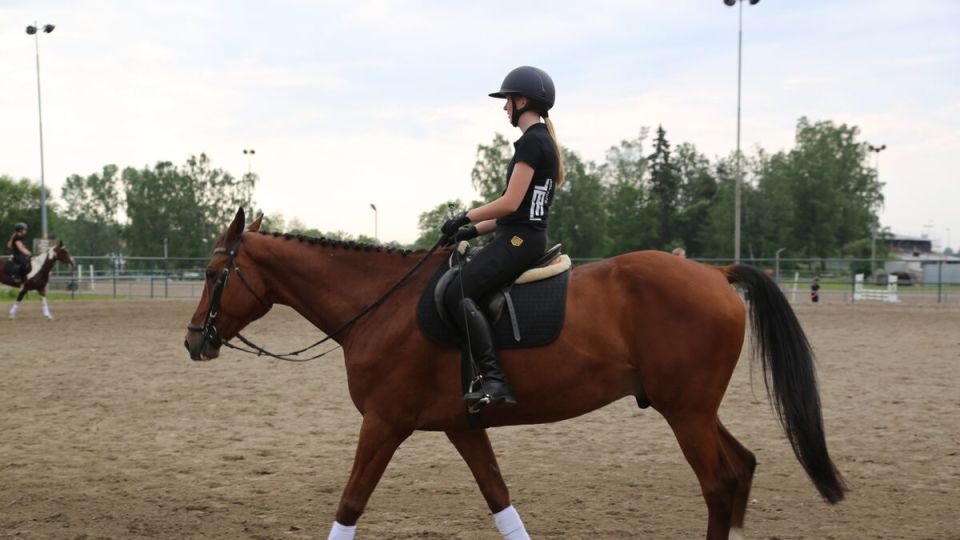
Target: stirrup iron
479,404
476,388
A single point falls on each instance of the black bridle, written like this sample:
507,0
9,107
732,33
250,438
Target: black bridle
211,336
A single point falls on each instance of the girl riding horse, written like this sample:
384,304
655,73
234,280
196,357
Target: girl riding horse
19,253
519,220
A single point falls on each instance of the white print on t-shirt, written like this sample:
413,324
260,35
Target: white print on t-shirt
539,199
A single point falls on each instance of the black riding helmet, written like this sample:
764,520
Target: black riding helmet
20,227
532,83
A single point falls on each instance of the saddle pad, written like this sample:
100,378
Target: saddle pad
540,308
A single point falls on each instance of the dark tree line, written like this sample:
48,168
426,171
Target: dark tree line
134,210
818,199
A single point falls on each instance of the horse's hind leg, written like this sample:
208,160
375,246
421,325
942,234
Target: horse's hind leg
474,447
744,464
723,471
16,305
378,441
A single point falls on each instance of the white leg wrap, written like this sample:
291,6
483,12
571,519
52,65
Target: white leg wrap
13,309
509,524
342,532
45,308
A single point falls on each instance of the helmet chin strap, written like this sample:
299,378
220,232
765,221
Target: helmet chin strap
515,117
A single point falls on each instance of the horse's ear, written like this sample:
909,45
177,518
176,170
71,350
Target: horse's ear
255,226
60,244
236,227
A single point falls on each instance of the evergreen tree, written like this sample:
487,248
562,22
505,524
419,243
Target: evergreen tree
664,191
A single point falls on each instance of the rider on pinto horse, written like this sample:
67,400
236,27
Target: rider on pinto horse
518,220
20,254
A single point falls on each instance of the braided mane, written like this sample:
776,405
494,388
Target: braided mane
333,242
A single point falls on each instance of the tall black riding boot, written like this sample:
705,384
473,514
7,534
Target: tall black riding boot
494,388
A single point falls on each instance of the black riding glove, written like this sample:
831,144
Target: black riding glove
454,223
468,233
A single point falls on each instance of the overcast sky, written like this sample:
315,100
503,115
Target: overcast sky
384,102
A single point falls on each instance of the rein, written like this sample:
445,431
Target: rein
211,335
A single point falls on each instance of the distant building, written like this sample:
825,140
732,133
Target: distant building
914,262
913,245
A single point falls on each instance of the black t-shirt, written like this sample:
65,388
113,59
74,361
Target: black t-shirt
535,148
15,251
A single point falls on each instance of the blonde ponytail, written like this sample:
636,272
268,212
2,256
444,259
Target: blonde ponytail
556,144
10,241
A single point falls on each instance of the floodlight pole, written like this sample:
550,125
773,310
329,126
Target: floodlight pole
35,30
376,235
873,243
739,179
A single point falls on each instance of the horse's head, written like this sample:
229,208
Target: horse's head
62,255
231,298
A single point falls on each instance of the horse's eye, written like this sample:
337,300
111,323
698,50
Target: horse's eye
211,273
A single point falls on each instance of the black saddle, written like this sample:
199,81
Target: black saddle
12,269
536,309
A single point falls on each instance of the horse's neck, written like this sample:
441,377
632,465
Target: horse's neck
327,285
41,264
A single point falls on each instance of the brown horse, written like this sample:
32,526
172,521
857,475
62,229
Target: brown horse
647,324
39,276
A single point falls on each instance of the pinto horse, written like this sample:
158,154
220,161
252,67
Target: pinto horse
38,278
646,324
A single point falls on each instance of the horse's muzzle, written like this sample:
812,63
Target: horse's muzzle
198,348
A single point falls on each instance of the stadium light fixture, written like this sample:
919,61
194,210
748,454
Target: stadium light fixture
249,152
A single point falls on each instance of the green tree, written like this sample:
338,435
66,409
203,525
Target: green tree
20,202
664,191
629,221
489,174
826,182
698,187
577,216
219,193
90,222
430,221
190,205
716,238
774,210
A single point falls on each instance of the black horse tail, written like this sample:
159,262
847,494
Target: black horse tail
789,369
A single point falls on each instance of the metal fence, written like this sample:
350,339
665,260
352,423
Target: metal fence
929,282
130,277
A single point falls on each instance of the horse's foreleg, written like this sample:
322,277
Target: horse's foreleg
474,447
44,307
378,441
